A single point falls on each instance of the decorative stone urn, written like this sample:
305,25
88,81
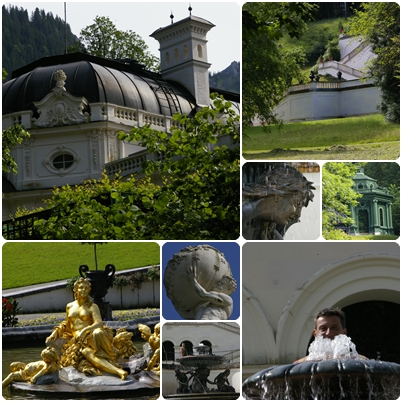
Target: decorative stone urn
211,266
100,282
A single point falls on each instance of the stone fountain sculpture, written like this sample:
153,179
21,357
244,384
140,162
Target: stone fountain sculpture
199,368
274,203
332,371
198,280
90,355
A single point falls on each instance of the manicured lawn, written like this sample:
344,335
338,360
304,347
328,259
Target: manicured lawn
28,263
375,237
366,136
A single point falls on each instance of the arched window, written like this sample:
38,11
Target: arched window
167,58
207,343
199,51
381,217
167,351
176,55
185,52
360,186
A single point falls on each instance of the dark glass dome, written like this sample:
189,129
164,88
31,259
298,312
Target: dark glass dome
124,83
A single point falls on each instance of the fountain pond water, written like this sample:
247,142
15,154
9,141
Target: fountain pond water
332,370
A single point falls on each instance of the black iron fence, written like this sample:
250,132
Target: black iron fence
23,228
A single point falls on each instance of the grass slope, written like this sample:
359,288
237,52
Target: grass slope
30,263
368,137
374,237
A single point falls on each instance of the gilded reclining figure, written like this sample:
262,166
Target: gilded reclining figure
89,346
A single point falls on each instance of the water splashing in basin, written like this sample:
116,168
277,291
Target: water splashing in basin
341,347
333,370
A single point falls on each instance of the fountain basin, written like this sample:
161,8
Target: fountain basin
201,361
328,379
136,386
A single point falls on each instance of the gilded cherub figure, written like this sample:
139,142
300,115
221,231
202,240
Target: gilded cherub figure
154,343
21,372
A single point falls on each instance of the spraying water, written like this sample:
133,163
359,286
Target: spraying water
341,347
332,371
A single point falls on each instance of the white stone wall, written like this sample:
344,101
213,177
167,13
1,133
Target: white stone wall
56,299
354,98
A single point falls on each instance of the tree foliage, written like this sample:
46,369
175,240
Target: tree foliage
103,39
379,22
198,199
11,137
337,197
327,10
267,70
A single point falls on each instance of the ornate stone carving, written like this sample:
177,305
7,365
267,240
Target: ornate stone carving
48,160
28,163
59,107
95,154
274,203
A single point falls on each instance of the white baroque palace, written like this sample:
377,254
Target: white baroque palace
74,105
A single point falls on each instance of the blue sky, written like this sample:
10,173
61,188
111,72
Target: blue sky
231,250
146,17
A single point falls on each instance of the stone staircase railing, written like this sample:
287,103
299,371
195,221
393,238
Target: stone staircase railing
355,52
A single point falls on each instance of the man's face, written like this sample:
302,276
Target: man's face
329,327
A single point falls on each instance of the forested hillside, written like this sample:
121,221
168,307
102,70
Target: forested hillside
30,37
328,10
27,38
228,79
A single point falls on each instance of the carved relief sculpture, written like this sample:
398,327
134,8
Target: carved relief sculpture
59,107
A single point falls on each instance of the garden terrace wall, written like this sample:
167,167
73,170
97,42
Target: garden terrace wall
317,101
55,296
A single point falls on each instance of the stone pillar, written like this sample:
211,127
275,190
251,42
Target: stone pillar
389,218
375,215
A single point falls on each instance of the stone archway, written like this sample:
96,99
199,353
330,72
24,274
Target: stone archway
363,221
356,279
167,351
264,350
208,343
374,327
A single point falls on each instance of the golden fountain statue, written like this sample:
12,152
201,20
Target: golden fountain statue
21,372
89,346
154,342
83,342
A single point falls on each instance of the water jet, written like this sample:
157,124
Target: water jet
332,370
